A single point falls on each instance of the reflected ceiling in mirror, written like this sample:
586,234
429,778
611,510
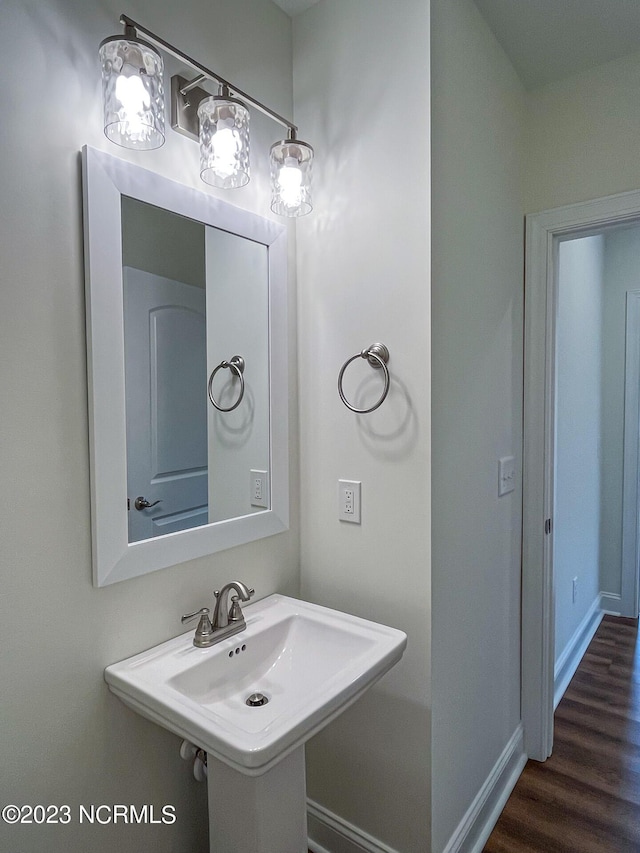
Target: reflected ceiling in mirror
178,284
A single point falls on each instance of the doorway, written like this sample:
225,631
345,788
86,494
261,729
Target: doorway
544,234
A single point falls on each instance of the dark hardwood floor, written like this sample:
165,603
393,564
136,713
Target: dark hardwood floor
586,797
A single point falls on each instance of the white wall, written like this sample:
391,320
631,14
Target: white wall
582,136
64,738
237,324
361,72
621,274
579,400
477,390
581,142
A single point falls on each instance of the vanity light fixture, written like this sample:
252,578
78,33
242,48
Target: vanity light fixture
291,162
132,91
133,94
224,141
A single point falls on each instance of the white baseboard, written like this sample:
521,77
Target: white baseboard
475,827
329,833
573,653
611,603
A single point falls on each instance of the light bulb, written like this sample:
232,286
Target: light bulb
135,100
225,145
291,162
290,183
224,142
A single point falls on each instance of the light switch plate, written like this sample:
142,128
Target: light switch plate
506,475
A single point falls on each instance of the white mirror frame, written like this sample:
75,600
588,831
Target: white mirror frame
105,180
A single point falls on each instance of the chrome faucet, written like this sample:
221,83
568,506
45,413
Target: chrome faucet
226,620
223,615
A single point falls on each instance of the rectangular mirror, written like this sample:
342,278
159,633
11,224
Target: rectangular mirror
186,330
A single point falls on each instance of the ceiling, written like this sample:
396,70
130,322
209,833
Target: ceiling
294,7
550,39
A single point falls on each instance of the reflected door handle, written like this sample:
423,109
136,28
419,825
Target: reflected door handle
142,503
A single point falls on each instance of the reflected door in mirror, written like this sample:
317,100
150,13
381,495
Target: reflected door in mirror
165,372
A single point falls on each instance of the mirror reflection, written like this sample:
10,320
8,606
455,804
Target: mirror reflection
194,297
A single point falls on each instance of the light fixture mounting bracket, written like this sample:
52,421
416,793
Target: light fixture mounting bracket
184,108
204,71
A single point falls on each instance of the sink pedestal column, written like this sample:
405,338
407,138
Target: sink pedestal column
265,813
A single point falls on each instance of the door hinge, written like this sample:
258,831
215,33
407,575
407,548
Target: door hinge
547,526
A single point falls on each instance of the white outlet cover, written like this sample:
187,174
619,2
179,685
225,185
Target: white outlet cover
263,476
349,510
506,475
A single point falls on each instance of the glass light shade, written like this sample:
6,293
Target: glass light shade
224,142
133,93
291,163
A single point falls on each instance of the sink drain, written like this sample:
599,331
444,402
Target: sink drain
256,700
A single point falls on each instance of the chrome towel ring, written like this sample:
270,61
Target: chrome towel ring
377,356
236,365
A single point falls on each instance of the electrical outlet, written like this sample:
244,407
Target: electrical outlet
506,475
349,501
574,590
259,488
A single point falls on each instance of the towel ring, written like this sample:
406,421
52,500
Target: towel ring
236,364
377,355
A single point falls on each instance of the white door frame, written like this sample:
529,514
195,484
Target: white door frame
631,458
543,231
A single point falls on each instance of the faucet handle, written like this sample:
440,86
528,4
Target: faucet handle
204,611
235,613
205,628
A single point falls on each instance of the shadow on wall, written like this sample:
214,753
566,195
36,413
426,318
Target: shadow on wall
390,432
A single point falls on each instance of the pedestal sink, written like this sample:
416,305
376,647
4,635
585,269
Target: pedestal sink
252,701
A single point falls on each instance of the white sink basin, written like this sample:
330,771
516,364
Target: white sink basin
309,661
